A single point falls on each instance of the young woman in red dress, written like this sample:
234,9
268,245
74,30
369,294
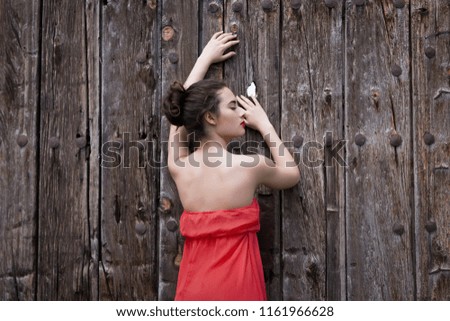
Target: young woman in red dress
221,258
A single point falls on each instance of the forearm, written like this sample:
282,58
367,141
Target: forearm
280,154
198,72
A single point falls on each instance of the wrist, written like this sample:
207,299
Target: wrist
204,61
265,129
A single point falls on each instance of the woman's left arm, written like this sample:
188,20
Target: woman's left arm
212,53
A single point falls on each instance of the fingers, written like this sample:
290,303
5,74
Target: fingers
226,37
216,35
228,55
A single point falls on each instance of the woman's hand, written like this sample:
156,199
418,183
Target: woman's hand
255,116
217,45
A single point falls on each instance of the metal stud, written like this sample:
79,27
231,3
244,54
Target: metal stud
298,141
430,52
173,57
296,4
80,141
431,226
396,70
172,225
22,140
140,228
398,229
237,6
53,142
331,3
213,7
395,140
267,5
428,138
360,139
141,57
399,4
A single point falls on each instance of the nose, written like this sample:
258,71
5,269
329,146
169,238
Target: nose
241,112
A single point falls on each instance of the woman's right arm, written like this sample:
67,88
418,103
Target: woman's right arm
282,172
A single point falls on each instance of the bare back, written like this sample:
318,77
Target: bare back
216,182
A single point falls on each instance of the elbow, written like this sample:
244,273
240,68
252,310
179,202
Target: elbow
295,176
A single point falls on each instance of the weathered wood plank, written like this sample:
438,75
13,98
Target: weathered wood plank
129,117
93,137
211,19
312,100
431,120
180,41
64,232
19,59
262,60
378,179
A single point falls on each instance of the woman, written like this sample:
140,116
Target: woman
221,259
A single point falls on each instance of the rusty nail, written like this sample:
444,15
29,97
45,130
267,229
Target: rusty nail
428,138
167,33
396,70
140,228
172,225
213,7
234,27
141,57
328,139
398,229
430,226
359,2
22,140
298,141
267,5
173,57
430,52
237,6
296,4
360,139
399,4
165,204
53,142
395,140
80,141
331,3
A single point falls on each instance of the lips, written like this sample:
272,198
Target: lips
243,124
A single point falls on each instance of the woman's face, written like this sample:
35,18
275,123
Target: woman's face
229,124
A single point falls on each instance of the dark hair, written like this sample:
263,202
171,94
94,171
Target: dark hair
186,107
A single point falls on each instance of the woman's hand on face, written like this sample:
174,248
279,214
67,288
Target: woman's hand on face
217,45
255,116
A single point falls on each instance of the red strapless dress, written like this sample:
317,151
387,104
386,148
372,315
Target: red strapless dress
221,259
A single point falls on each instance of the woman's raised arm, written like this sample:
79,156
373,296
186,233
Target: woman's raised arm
212,53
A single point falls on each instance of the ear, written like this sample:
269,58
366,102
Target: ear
210,118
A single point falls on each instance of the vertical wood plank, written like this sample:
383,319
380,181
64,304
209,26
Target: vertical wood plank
262,60
313,228
19,59
64,231
430,23
92,138
129,123
180,41
211,20
378,179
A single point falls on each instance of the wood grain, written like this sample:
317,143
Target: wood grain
19,99
379,175
430,23
129,117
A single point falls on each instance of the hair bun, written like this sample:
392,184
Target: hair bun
173,104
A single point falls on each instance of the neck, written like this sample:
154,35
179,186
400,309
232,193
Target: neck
213,142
